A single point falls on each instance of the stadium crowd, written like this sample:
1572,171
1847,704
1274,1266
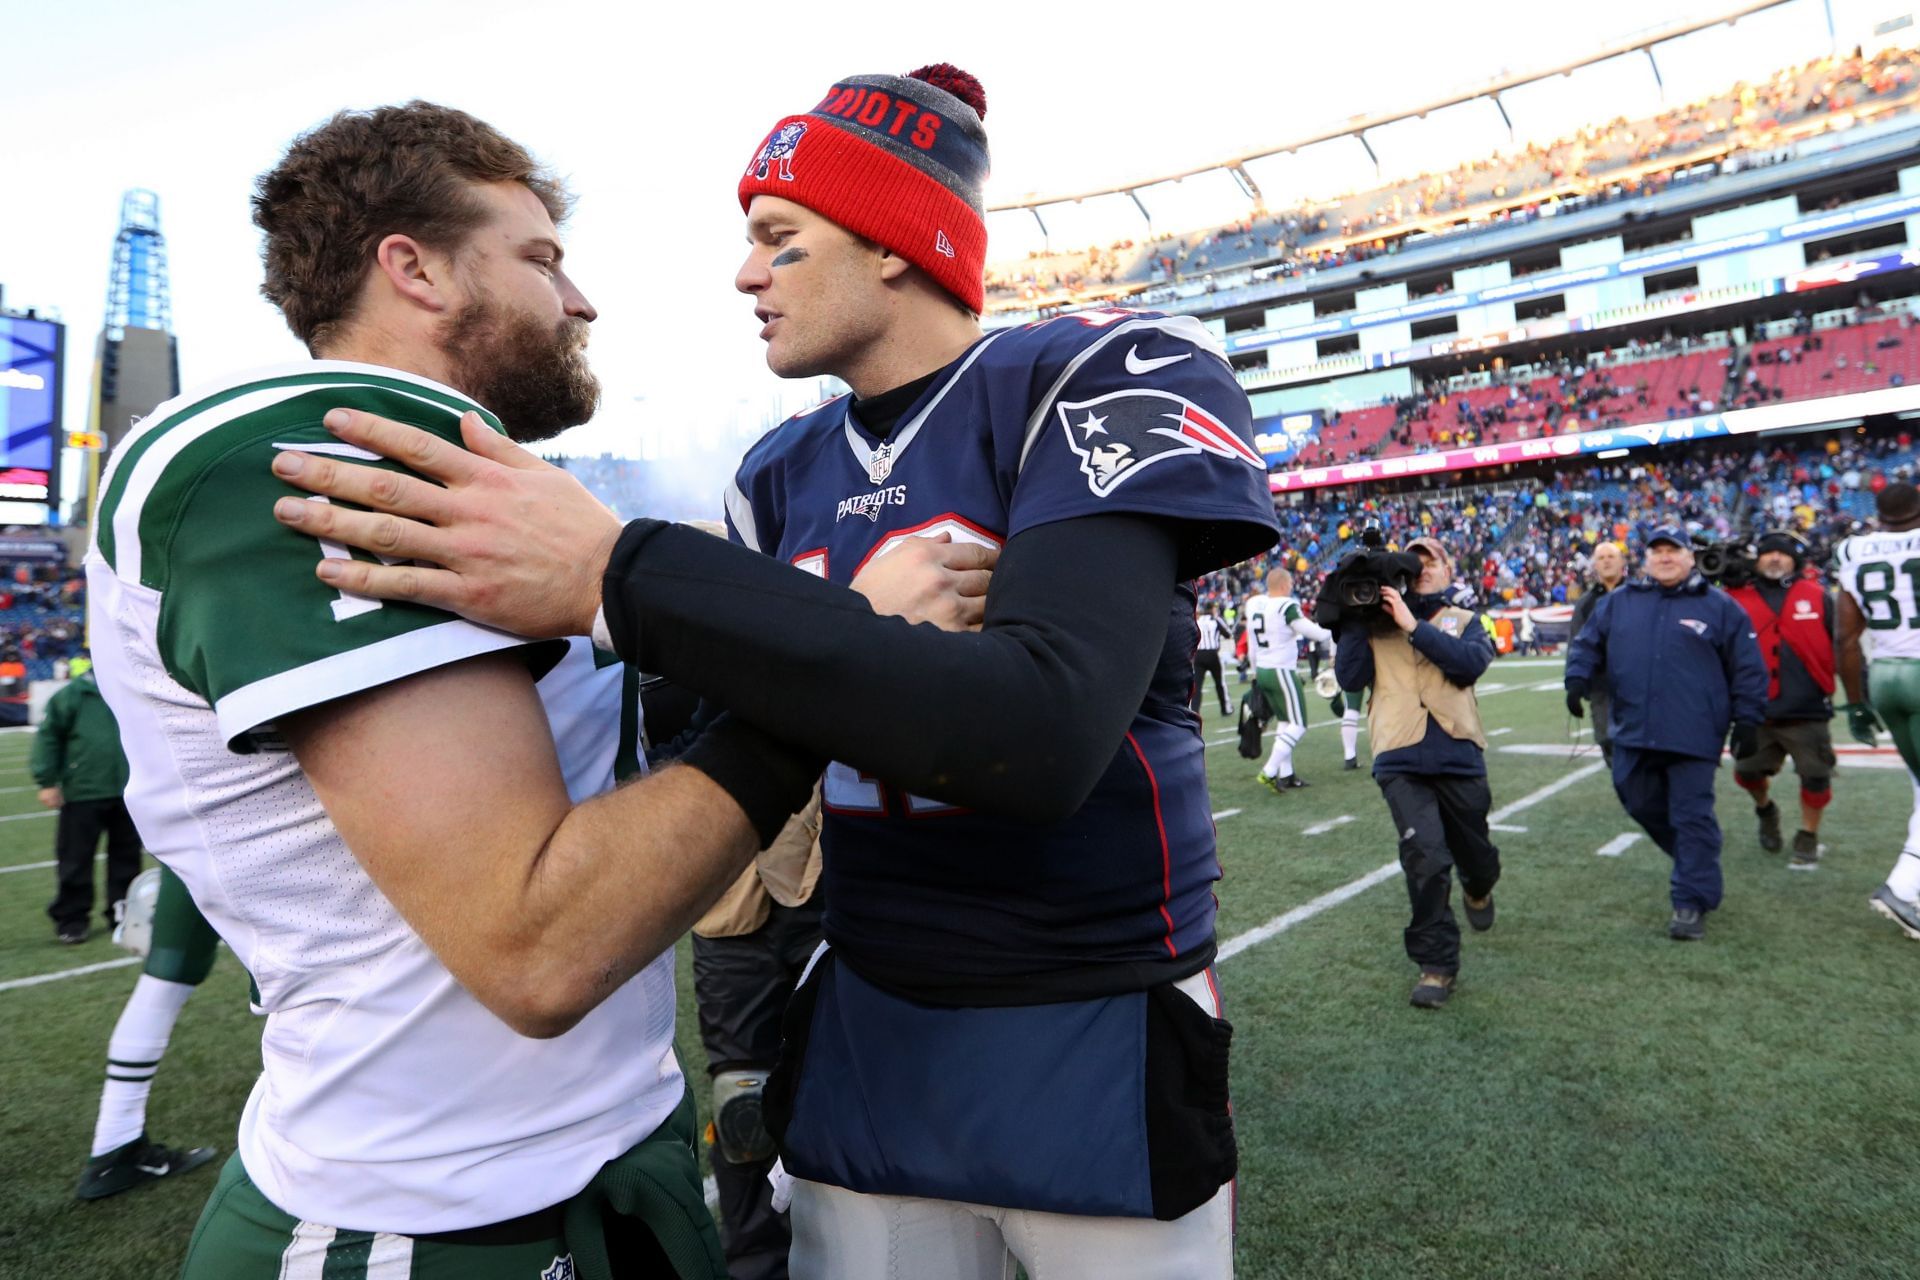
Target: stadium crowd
1741,127
1529,543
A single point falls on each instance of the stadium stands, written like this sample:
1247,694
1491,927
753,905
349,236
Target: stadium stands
1743,127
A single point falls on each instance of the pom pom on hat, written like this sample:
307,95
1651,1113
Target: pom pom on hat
944,75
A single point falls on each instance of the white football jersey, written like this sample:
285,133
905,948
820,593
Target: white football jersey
1275,625
390,1099
1881,572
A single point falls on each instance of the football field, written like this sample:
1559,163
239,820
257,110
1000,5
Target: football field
1595,1101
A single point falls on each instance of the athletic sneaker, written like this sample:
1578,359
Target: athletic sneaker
1353,762
1904,912
1687,925
1432,990
1228,709
72,933
136,1164
1769,827
1292,782
1269,783
1806,852
1481,916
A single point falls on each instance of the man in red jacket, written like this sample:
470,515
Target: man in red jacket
1793,620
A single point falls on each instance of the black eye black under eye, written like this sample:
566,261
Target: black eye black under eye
787,257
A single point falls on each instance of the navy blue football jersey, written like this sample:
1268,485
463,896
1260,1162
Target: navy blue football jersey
1094,413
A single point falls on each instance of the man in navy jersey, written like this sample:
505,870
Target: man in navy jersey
1019,857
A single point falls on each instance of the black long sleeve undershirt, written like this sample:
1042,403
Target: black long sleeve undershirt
1019,719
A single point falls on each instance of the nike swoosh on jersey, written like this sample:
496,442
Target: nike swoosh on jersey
1137,366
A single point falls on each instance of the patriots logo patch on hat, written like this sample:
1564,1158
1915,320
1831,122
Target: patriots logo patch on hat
779,146
1120,434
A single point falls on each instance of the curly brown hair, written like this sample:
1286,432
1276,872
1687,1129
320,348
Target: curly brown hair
364,175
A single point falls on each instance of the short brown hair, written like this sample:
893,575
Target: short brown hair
364,175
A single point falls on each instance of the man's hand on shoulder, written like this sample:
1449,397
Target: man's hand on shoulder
931,579
491,532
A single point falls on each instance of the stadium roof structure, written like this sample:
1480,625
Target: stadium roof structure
1357,127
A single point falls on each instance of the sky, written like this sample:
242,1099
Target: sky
652,112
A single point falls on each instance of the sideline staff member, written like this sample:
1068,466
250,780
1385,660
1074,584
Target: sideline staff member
1793,619
1681,659
1609,571
1429,757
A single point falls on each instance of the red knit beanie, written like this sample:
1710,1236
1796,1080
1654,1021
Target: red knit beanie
899,160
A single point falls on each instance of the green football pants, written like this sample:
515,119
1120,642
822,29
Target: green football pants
1282,690
183,941
1893,687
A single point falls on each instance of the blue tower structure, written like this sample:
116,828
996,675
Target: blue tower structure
137,362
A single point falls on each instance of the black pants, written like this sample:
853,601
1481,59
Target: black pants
741,985
1601,711
1442,822
1205,662
81,822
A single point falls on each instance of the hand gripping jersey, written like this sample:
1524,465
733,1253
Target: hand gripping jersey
390,1099
1881,571
1105,412
1276,625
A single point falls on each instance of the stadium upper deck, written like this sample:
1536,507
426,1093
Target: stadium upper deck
1746,125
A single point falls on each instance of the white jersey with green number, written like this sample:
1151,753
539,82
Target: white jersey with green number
1881,571
1275,627
390,1099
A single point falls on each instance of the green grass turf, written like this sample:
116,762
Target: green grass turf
1595,1101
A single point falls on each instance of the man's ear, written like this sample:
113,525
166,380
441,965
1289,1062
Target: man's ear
892,265
415,273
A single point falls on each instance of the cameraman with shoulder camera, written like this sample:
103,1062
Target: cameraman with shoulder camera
1793,619
1422,657
1681,660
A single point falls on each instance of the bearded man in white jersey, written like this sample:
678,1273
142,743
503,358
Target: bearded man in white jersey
1277,625
404,824
1877,596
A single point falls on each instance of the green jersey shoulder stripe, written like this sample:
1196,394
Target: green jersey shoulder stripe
209,407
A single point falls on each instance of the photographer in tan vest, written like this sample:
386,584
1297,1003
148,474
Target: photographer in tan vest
1422,655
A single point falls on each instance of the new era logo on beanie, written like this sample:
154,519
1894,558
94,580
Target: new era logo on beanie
899,160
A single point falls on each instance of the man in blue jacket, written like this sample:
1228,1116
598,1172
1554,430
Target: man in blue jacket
1683,664
1421,655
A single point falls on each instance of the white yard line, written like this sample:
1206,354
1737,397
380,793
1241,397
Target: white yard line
21,817
1618,845
1494,733
1502,826
1307,911
40,978
1321,828
1225,813
28,866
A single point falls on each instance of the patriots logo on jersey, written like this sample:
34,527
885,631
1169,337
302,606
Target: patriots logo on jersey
1120,434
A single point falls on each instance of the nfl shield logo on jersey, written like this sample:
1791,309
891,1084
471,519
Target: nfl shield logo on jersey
562,1269
1120,434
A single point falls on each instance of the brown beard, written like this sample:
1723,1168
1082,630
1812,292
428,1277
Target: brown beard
534,379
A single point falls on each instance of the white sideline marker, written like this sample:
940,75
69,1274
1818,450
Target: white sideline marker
1307,911
28,866
1321,828
21,817
39,978
1225,813
1501,826
1618,845
1494,733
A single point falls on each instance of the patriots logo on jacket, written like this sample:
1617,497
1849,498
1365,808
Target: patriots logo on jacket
780,146
1120,434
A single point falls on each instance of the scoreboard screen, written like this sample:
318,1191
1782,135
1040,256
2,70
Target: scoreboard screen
32,355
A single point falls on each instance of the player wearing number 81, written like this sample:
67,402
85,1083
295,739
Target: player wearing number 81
1879,578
